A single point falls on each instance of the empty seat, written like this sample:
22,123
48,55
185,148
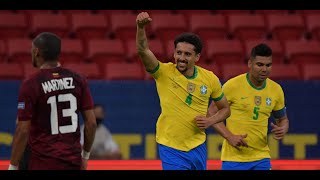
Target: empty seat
188,13
72,50
124,71
168,26
55,23
278,54
89,70
29,70
106,51
233,12
285,72
311,72
231,70
209,26
11,71
90,26
13,26
214,68
19,50
225,51
302,52
123,26
155,46
313,25
286,27
247,27
3,51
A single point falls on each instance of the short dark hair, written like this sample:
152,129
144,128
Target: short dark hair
261,49
49,45
190,38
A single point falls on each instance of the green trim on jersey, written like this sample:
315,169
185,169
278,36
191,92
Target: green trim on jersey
155,70
252,85
195,73
218,98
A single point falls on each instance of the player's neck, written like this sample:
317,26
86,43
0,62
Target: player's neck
50,65
254,82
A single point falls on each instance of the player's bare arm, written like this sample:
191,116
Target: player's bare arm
280,128
90,126
233,140
222,114
19,143
148,58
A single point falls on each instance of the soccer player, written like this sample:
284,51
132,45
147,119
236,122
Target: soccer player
184,90
253,98
49,104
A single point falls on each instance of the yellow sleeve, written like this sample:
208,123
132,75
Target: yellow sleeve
280,100
217,92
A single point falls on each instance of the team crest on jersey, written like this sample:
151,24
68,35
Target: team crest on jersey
268,101
203,89
191,87
257,100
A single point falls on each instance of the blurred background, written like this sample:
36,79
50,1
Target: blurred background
100,44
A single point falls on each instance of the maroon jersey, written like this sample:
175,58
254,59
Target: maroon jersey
53,99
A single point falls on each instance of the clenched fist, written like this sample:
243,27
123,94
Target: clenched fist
143,19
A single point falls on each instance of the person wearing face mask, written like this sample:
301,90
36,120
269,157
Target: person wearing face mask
104,147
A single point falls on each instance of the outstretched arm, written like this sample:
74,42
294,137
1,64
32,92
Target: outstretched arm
146,55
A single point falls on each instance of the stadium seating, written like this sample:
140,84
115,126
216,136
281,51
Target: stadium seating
123,26
11,71
311,72
121,70
232,70
313,25
302,52
13,26
246,27
214,68
278,54
72,50
285,72
286,26
89,70
3,51
225,51
90,26
19,50
55,23
168,26
209,26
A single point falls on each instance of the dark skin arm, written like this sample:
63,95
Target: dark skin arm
280,128
20,140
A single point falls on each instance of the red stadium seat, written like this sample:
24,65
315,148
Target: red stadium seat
168,26
302,52
55,23
90,26
89,70
72,50
124,71
286,27
285,72
11,71
313,25
155,46
106,51
188,13
233,12
3,51
311,72
214,68
123,26
209,26
28,70
19,50
13,26
225,51
278,54
245,27
231,70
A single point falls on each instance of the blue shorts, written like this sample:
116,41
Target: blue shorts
173,159
263,164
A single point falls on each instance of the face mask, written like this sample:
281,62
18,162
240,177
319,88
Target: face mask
99,121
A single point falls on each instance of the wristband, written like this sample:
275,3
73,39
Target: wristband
85,155
12,167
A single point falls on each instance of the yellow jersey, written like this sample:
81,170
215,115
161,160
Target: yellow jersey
181,100
251,108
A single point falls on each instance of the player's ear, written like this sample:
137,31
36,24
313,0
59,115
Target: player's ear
37,52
